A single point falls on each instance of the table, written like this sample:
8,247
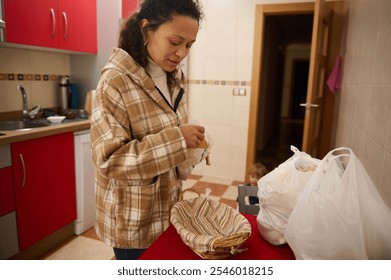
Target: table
169,246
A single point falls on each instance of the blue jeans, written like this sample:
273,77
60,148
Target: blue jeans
127,254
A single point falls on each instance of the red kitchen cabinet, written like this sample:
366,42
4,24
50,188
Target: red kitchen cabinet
44,185
78,31
7,202
62,24
129,7
31,23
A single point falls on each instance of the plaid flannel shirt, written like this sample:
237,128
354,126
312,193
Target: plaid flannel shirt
136,145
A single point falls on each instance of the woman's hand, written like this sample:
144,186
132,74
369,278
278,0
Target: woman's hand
193,134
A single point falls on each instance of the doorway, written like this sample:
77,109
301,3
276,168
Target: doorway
272,41
286,56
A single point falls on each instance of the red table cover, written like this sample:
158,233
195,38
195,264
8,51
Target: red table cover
169,246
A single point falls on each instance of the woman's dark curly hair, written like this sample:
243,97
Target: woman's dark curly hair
157,12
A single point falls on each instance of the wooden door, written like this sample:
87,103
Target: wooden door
316,78
318,120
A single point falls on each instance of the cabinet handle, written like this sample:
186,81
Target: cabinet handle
66,24
54,23
24,170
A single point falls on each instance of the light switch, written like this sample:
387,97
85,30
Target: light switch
239,92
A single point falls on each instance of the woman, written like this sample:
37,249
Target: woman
139,131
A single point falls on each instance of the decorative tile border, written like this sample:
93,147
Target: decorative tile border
29,77
219,82
47,77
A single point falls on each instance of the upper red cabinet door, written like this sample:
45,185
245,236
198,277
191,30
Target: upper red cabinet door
63,24
129,7
77,21
32,22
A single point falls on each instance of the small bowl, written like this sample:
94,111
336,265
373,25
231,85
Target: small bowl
56,119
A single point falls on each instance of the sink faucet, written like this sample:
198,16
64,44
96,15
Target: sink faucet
25,112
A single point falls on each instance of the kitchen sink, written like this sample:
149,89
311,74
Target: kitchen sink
20,125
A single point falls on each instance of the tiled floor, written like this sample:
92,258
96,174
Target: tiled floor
87,246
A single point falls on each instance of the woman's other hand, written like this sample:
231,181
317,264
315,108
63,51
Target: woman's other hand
193,134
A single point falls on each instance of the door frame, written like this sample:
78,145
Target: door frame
328,117
261,11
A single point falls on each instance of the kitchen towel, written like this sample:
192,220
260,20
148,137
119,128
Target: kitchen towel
334,79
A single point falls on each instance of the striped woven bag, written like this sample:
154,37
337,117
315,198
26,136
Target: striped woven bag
211,229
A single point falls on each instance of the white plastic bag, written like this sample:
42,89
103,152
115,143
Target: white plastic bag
278,192
340,214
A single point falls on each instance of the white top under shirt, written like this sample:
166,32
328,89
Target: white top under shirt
159,77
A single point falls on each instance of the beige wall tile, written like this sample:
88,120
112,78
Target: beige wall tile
382,66
348,101
196,69
243,49
220,154
388,137
385,192
219,69
220,133
363,106
14,60
351,67
358,145
217,170
240,115
366,91
215,9
239,137
26,61
238,170
368,26
11,98
49,63
46,94
245,27
373,160
242,71
238,154
344,132
217,105
379,113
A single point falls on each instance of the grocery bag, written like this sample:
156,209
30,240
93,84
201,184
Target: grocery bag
278,192
340,214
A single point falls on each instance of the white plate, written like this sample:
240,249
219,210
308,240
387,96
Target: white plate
56,119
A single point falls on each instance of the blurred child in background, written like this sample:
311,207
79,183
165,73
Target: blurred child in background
257,171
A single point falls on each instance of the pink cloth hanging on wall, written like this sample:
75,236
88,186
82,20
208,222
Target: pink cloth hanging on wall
335,77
